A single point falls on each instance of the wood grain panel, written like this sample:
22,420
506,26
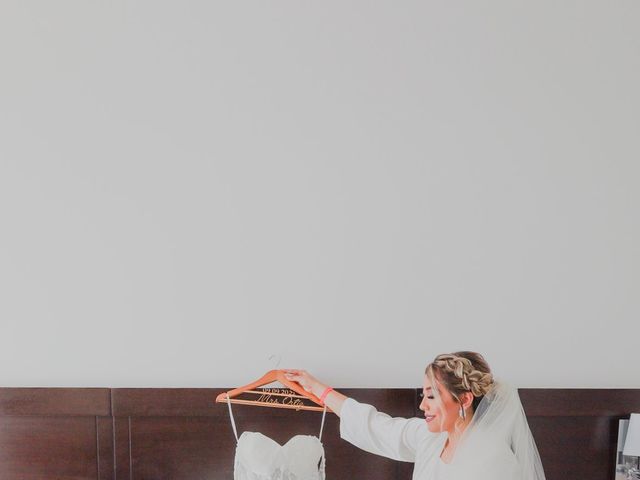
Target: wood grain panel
122,453
579,402
105,446
55,401
576,448
48,448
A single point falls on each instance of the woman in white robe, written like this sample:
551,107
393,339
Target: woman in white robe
474,426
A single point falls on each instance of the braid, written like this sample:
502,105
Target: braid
469,378
463,372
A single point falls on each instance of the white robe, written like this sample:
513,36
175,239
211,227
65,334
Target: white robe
409,440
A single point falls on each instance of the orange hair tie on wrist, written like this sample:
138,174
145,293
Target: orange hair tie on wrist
325,393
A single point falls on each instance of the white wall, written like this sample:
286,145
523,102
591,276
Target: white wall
351,187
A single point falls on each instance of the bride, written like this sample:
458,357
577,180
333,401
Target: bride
474,426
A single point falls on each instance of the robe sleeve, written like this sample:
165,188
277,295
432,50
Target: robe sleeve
378,433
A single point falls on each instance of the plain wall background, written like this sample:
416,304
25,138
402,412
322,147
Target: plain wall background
194,192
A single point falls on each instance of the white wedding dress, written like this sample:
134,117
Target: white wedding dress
259,457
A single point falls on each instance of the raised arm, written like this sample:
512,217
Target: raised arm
366,428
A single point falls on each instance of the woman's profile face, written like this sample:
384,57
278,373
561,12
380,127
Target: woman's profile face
440,416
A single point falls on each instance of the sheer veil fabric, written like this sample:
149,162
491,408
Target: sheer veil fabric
498,444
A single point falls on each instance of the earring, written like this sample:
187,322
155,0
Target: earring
462,413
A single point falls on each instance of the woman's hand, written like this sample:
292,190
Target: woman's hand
333,400
305,379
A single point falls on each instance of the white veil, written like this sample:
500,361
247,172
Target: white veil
498,444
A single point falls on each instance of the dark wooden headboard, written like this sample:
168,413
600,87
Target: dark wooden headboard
180,434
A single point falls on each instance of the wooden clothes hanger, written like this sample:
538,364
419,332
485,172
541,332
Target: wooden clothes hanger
268,378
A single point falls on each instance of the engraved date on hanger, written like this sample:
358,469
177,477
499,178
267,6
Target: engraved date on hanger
280,396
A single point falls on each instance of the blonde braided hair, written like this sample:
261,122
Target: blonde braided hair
461,372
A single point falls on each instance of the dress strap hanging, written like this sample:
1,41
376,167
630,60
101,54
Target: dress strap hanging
233,422
324,414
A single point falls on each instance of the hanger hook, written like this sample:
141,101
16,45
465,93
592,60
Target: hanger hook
279,360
